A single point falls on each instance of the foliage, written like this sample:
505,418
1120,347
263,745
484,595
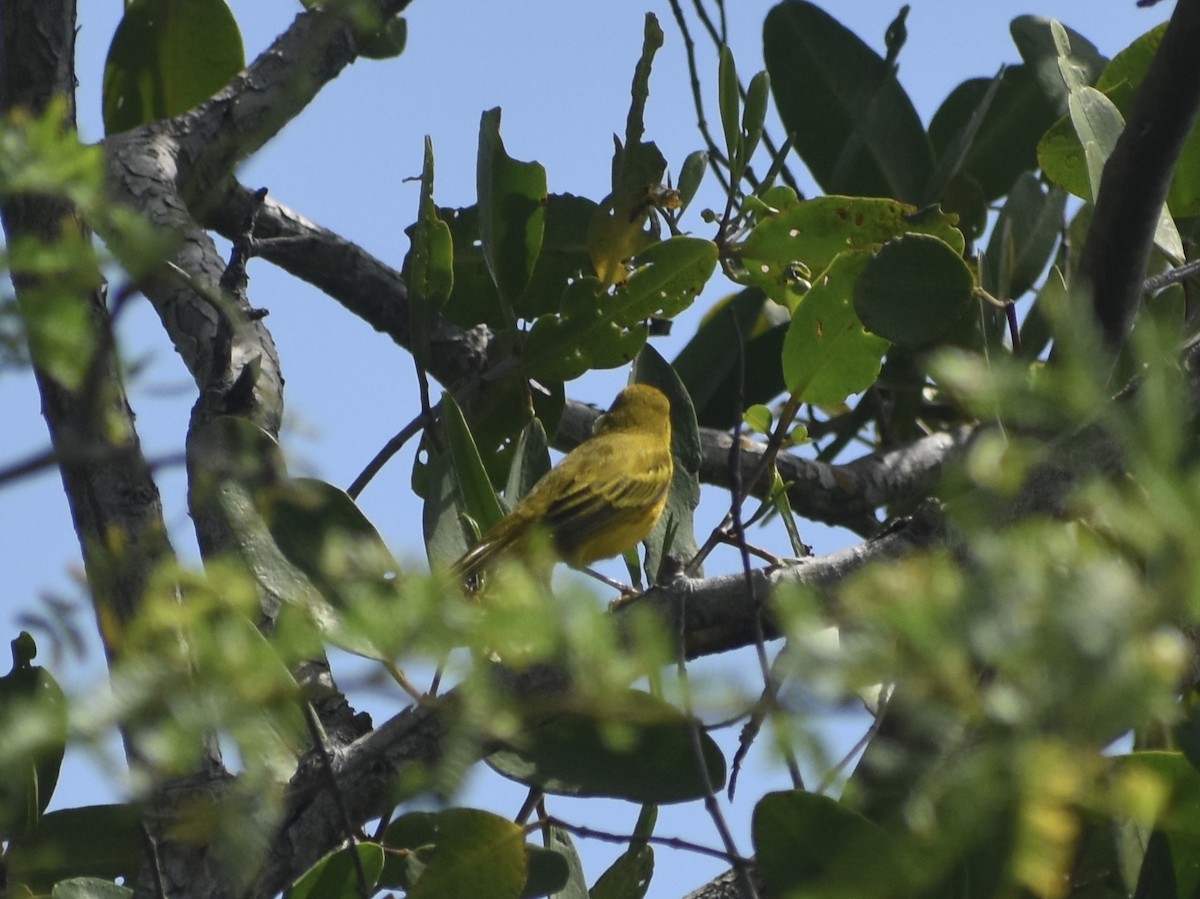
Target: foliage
1029,664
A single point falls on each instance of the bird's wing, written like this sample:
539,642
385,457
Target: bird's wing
640,481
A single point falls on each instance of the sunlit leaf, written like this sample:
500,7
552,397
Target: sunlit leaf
827,353
512,210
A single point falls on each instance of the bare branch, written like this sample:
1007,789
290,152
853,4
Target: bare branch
108,482
363,284
271,91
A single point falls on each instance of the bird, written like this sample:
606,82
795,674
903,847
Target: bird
602,499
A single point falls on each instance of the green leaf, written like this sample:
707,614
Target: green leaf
55,305
442,526
810,845
853,124
1062,153
1177,824
388,42
595,329
755,114
89,888
92,841
690,176
1034,37
617,231
531,461
639,749
816,231
827,353
652,41
549,871
304,542
729,102
1005,142
564,256
678,518
1119,80
324,534
166,57
33,738
429,267
582,337
476,854
1023,238
1098,123
666,279
1157,874
758,418
474,299
474,487
558,840
335,875
913,291
512,210
628,877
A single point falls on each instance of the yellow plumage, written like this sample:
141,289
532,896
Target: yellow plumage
602,498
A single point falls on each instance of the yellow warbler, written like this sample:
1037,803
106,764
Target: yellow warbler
601,499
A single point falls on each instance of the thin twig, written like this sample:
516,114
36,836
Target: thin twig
405,684
389,449
715,157
591,833
736,498
859,746
1165,279
711,804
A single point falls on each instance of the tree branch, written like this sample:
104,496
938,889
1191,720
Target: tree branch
363,284
271,91
109,485
840,495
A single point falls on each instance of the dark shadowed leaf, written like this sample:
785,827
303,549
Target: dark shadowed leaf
33,710
640,750
628,877
913,291
707,365
853,124
475,853
677,519
1006,142
1024,237
167,56
92,841
512,210
812,845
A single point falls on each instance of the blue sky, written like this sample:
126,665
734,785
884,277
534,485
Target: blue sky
560,69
